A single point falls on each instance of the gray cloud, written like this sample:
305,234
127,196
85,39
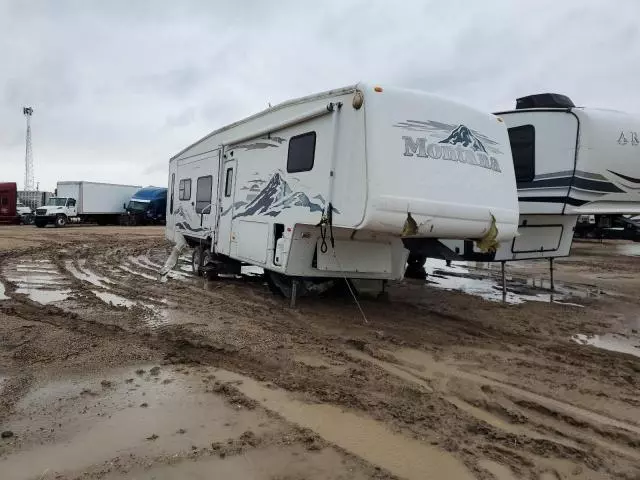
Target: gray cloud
118,87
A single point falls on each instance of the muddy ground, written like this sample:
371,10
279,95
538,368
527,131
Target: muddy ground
107,372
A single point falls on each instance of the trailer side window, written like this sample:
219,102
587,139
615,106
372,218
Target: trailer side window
302,151
184,189
203,194
523,149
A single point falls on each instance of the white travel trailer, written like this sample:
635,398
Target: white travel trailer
330,185
568,162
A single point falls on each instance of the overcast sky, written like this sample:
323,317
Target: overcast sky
118,87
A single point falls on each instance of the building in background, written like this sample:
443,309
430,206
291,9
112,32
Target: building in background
34,198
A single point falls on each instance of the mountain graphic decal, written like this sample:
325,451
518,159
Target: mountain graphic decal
275,197
463,136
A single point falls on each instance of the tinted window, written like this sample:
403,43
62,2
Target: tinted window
523,144
71,203
228,183
184,189
302,150
173,183
203,194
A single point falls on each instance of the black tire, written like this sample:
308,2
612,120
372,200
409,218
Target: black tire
40,224
208,259
415,267
61,221
196,261
279,284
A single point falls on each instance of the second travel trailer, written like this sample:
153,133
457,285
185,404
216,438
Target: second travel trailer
332,186
568,162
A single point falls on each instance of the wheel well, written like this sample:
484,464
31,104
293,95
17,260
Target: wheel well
194,242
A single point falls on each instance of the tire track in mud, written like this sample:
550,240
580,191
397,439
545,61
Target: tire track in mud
191,346
248,316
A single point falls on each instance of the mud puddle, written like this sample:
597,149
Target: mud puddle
358,434
85,275
629,249
476,278
271,463
39,280
45,297
144,263
113,299
614,342
126,268
69,425
156,316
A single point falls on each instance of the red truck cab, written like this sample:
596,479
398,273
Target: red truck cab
8,201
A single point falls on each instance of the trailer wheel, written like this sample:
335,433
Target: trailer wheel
415,267
208,260
61,221
196,260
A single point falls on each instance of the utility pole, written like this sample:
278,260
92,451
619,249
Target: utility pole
28,157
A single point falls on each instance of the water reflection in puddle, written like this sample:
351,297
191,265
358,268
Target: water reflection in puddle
475,279
180,413
2,294
113,299
36,279
630,249
39,280
85,274
43,296
611,341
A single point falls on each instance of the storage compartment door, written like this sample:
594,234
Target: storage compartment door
354,256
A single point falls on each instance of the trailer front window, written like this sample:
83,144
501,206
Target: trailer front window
523,143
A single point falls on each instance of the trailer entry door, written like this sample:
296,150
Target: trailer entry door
227,195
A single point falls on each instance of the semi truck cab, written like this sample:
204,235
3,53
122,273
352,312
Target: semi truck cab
147,206
58,211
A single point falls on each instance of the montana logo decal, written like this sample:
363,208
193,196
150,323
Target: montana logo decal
460,144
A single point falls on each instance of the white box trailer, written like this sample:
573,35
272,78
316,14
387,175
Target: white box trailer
569,161
330,185
79,202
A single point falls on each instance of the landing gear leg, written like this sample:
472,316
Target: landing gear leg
294,293
551,273
196,260
504,283
384,295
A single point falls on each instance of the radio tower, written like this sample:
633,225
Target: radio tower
28,157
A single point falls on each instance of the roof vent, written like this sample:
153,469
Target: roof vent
544,100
